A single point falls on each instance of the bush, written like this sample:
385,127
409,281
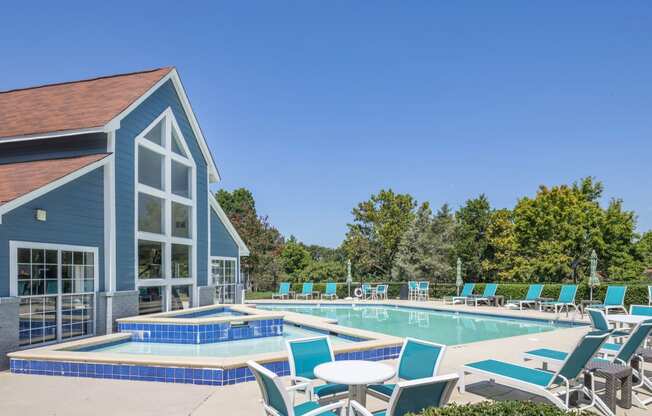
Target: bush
505,408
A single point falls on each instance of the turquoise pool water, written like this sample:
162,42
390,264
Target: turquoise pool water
218,349
448,328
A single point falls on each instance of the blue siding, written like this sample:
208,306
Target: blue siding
222,244
75,216
131,126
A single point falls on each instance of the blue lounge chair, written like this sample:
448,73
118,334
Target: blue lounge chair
487,295
649,295
600,323
566,299
413,290
304,355
277,401
331,291
367,291
424,290
614,299
283,291
531,297
467,290
640,310
413,396
554,386
623,354
418,359
380,292
306,291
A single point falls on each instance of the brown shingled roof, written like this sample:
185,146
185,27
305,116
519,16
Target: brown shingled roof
18,179
72,105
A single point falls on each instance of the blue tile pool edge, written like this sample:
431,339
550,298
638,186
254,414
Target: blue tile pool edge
182,375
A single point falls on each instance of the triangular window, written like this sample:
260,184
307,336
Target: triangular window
155,135
176,144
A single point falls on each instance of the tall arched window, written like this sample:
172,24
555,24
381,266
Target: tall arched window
166,212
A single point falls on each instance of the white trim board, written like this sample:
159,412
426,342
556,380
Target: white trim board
30,196
61,133
242,247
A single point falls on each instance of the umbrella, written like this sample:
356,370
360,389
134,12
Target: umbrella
459,281
593,276
349,279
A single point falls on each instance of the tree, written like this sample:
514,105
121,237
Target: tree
621,259
500,260
644,249
471,242
295,259
378,226
426,249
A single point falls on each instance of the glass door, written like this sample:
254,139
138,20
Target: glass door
224,275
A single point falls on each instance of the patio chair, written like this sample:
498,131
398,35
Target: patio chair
487,295
624,354
380,292
306,291
424,290
467,291
600,323
413,290
531,297
614,299
649,295
283,291
277,401
554,386
640,310
566,299
331,291
418,359
367,291
304,355
412,397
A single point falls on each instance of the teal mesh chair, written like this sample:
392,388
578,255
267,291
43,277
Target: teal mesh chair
367,291
531,297
640,310
565,301
304,355
306,291
600,323
424,290
413,290
649,295
467,291
331,291
614,299
283,291
488,294
412,397
554,386
418,359
277,401
380,292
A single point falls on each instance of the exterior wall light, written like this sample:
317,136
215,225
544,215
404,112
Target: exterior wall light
41,215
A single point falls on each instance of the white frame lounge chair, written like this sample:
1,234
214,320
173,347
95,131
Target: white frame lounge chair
566,299
330,291
306,290
380,292
541,382
613,299
488,294
413,396
465,294
533,294
284,289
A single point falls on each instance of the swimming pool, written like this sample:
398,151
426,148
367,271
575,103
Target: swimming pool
444,327
220,349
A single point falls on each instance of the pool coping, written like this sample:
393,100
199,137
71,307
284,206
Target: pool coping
248,314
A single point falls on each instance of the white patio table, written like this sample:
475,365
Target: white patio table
356,374
627,319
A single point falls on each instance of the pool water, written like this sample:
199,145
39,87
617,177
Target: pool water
217,349
444,327
211,313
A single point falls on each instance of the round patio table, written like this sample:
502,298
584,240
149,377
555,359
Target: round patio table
356,374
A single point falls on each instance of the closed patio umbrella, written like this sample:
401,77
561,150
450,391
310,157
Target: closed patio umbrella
593,276
458,281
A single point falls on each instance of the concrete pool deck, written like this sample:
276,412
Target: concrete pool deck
84,396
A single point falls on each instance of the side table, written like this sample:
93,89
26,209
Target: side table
616,377
585,303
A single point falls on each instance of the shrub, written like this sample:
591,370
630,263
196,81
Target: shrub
505,408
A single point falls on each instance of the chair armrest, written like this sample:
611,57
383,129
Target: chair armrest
298,386
326,408
358,409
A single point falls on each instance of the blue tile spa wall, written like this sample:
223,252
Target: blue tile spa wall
200,376
202,333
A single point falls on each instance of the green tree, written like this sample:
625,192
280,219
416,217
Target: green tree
644,249
295,258
325,271
471,242
378,226
501,255
621,259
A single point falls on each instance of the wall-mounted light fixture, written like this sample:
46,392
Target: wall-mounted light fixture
41,215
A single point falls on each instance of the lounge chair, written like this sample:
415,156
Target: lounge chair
487,295
367,291
640,310
423,290
418,359
306,291
277,401
649,295
331,291
566,299
554,386
623,354
413,397
380,292
614,299
413,290
600,323
304,355
283,291
467,291
531,297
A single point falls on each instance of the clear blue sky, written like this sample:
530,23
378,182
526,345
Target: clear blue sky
314,105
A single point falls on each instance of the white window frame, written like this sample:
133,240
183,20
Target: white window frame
215,284
168,197
13,280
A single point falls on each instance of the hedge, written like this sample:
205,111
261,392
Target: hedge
636,293
504,408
